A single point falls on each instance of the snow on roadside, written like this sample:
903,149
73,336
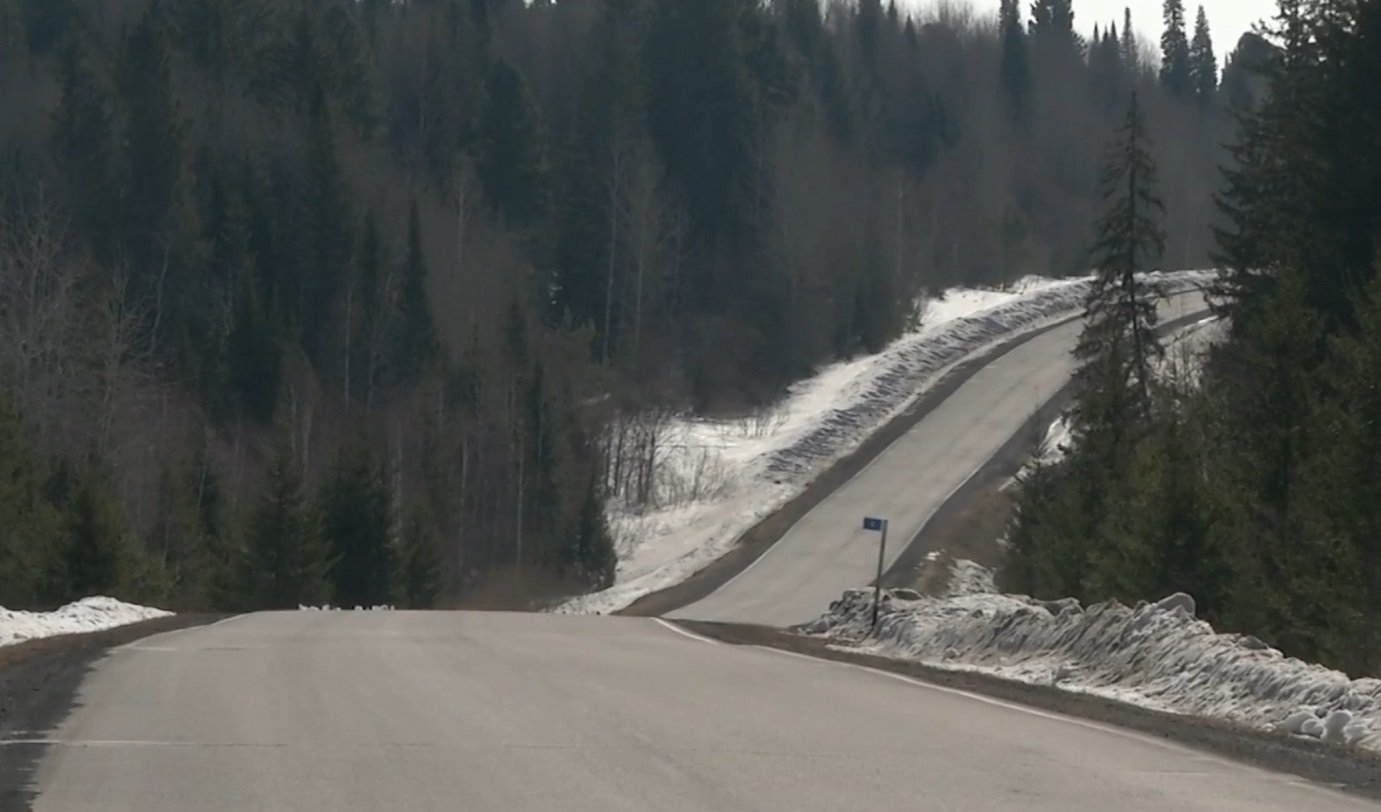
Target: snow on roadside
1184,358
717,478
86,615
1157,656
969,578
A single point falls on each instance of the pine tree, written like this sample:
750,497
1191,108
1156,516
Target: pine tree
100,554
286,561
81,136
1015,67
419,559
30,567
1131,60
1349,471
1052,28
511,162
357,521
156,201
1118,346
1175,67
1203,64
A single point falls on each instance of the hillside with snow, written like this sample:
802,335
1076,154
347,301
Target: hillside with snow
715,479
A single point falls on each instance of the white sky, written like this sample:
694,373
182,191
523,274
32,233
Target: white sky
1227,19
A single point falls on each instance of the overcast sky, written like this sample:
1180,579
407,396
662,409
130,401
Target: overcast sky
1227,19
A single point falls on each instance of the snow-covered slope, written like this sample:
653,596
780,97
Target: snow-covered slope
1154,655
86,615
717,478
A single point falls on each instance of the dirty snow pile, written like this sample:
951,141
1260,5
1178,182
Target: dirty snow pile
1153,655
85,615
969,578
715,479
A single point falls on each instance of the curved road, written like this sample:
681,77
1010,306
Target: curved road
827,552
440,711
348,711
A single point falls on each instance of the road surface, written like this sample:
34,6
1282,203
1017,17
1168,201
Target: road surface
827,551
345,712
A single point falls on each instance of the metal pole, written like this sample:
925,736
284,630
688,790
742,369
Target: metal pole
877,584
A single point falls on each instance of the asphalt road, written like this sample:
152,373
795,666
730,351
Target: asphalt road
827,551
469,711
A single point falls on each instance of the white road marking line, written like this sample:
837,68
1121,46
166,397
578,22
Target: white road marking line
1286,778
685,633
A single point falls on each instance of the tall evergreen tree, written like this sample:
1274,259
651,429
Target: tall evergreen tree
30,567
511,156
82,137
419,565
156,196
357,521
1174,52
285,562
1052,28
1203,64
1118,345
1131,60
1015,66
100,553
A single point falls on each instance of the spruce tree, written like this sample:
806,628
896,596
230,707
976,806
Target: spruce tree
1174,51
1118,346
1015,67
1203,64
1052,29
511,162
419,564
285,562
357,520
156,199
30,563
1131,60
81,136
100,552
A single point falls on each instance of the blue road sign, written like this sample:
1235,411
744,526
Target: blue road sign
870,523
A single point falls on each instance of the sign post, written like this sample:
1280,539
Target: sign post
878,525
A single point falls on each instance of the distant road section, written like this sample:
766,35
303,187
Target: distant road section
827,551
361,712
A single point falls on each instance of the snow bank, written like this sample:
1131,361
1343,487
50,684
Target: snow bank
1158,656
969,578
717,478
85,615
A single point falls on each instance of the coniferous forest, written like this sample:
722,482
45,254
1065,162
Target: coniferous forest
362,301
1254,484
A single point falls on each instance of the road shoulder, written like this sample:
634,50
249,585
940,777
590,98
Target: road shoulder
39,680
1350,770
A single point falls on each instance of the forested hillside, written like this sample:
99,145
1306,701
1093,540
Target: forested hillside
363,301
1254,485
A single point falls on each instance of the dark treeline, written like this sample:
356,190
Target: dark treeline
1256,487
364,301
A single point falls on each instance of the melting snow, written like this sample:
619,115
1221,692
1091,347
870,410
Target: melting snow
969,578
1154,655
85,615
717,478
